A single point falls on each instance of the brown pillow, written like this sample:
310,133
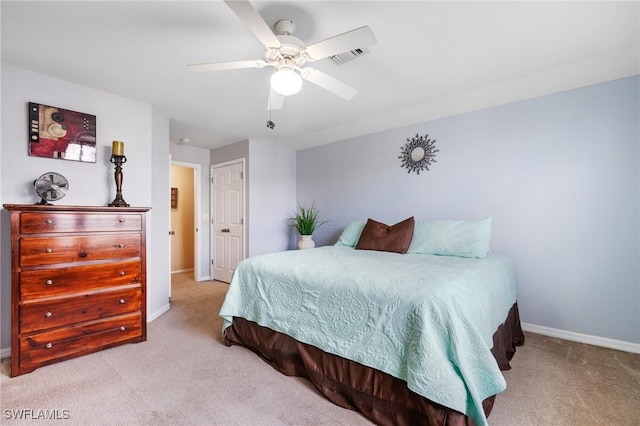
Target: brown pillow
378,236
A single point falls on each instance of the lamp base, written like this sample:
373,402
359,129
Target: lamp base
118,202
118,160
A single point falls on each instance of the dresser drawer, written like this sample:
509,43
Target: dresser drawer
42,222
59,281
78,340
50,251
69,310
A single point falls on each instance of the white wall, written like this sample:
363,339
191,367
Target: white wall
558,174
117,118
158,263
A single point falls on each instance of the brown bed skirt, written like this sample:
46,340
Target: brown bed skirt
380,397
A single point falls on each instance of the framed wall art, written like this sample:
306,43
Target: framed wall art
61,133
174,198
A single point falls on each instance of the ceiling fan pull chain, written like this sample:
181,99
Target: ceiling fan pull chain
270,124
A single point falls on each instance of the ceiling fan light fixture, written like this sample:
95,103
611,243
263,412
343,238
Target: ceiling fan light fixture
286,81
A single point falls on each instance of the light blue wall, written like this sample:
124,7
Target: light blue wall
272,191
558,174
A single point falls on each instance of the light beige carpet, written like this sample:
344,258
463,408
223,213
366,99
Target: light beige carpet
185,375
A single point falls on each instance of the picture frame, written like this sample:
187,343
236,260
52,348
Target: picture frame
174,198
61,133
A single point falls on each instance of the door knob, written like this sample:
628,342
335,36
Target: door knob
172,232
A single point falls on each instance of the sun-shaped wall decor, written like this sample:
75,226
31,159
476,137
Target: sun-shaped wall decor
418,153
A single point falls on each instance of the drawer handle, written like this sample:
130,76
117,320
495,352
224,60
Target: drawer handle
49,345
49,222
82,254
49,250
121,220
121,301
48,314
120,245
49,282
122,328
122,273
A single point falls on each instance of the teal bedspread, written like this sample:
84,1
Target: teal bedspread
428,320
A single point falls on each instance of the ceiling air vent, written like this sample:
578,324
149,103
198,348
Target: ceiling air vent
349,56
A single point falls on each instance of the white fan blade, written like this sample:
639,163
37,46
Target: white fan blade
275,101
222,66
328,83
354,39
254,21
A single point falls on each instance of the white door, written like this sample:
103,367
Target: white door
227,221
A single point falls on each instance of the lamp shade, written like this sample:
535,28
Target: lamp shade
286,81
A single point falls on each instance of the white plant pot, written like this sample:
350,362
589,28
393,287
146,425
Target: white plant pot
305,242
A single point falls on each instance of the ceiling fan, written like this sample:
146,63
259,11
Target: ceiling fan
288,54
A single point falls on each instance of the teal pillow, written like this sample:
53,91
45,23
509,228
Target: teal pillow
461,238
350,235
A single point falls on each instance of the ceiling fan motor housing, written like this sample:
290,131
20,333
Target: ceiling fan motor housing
285,27
290,49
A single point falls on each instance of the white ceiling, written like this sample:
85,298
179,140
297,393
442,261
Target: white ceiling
432,59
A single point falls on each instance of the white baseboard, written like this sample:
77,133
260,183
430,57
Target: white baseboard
181,270
156,314
5,353
583,338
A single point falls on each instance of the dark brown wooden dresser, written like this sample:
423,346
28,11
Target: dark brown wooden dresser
78,281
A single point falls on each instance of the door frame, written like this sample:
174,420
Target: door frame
212,209
197,200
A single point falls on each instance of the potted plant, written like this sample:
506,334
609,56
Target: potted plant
306,221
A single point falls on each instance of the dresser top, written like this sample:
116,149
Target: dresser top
60,208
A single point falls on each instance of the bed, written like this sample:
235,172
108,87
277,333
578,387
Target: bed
408,337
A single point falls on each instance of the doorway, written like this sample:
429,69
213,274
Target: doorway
185,208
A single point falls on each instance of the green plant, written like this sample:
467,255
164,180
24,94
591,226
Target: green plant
306,219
